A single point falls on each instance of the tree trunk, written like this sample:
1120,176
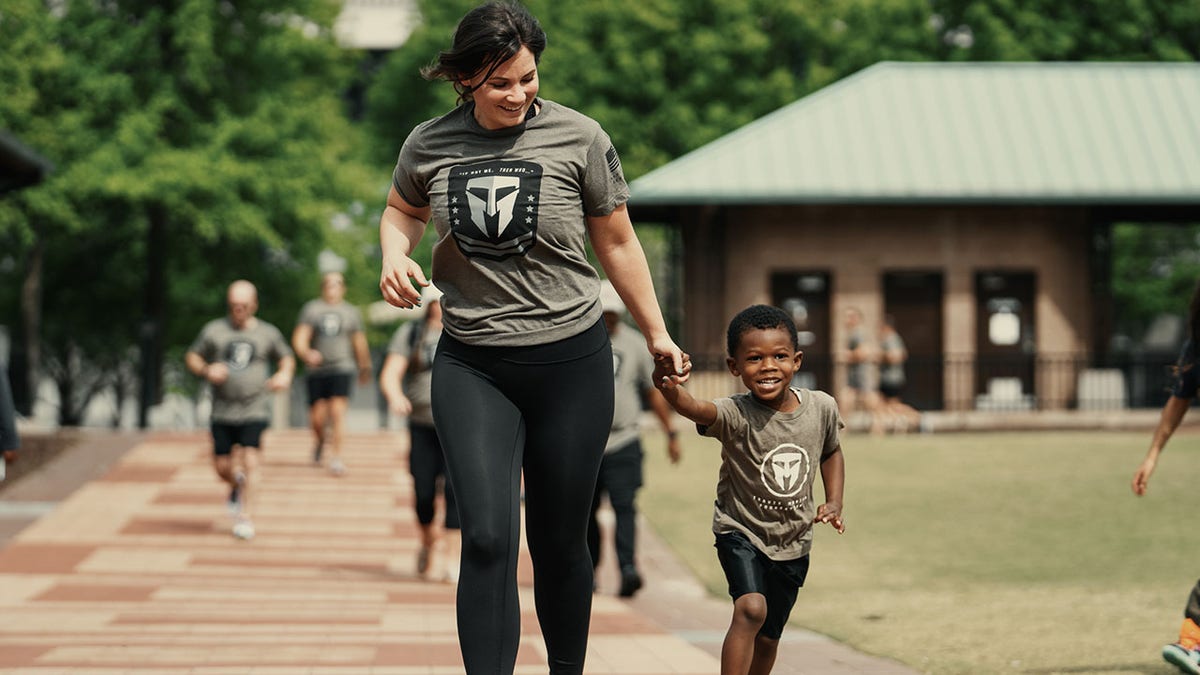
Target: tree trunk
31,320
154,311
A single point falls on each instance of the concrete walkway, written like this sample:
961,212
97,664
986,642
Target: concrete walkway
136,572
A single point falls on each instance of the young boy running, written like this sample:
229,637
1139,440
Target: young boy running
772,439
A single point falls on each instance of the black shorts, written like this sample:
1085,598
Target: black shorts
328,385
890,390
246,434
749,570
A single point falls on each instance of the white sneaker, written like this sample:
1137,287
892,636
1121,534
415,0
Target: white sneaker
1186,660
337,468
243,529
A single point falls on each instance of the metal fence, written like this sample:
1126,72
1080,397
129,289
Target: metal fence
1071,381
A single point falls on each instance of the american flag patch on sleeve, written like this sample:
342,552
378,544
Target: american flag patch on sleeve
614,163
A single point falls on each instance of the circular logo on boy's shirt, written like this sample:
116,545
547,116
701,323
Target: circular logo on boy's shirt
784,470
493,207
239,354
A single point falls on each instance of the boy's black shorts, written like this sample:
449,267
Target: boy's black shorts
328,385
247,435
749,570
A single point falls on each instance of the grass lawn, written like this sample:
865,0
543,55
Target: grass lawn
982,552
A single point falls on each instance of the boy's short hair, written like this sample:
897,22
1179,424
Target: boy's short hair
759,317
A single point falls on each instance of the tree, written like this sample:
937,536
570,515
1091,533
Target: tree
665,76
196,143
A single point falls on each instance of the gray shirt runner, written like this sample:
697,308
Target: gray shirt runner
333,326
633,372
249,354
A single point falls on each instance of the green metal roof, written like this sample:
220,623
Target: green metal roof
1111,133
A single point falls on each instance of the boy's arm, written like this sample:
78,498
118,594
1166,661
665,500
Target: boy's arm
700,412
833,475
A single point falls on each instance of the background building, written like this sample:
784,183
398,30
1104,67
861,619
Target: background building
973,202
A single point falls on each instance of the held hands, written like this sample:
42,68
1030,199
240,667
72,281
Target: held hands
667,375
397,281
674,360
313,358
831,512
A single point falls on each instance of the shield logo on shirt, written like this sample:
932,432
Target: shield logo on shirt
331,324
493,207
785,470
239,354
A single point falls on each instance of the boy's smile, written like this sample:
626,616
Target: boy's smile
765,361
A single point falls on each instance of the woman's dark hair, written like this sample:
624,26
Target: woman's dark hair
759,317
486,37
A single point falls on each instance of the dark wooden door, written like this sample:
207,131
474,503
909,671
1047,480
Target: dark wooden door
805,296
914,301
1005,343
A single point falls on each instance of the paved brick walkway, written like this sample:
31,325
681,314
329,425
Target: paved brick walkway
136,572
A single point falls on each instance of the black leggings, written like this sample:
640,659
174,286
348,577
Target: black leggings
426,464
544,411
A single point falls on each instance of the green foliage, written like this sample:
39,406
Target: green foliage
220,124
1045,30
1155,273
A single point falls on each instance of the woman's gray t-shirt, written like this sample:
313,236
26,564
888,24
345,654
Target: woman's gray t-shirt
510,207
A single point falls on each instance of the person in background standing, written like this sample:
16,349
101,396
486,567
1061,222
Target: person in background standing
621,468
406,382
858,357
10,442
892,410
329,339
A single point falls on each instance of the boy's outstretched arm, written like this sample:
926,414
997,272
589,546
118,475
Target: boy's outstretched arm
665,379
833,475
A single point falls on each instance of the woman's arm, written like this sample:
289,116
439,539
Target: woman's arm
621,255
1168,422
400,228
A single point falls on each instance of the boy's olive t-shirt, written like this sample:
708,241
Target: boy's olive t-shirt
333,326
769,461
510,207
249,354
